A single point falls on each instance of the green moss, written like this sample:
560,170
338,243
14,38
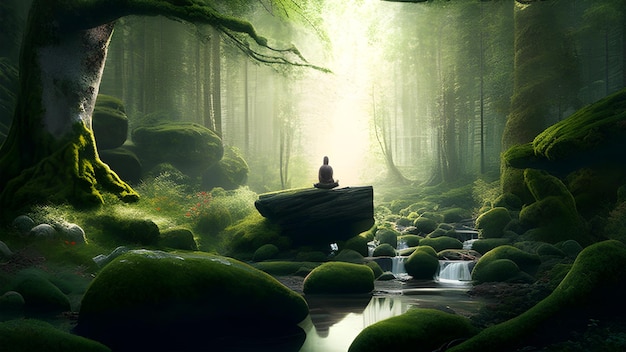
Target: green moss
422,264
178,238
376,269
37,335
388,236
491,223
281,268
349,256
384,250
509,201
175,295
593,286
265,252
524,261
229,173
250,233
441,243
419,329
425,224
453,215
410,240
39,293
483,246
358,244
339,278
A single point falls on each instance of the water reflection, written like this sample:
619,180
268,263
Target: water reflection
334,322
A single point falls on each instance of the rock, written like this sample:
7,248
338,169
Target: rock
178,238
388,236
37,335
72,233
441,243
5,251
229,173
109,123
509,263
319,216
384,250
23,224
491,223
43,231
189,147
11,305
339,278
425,225
422,264
101,259
265,252
130,230
39,293
153,300
124,162
426,328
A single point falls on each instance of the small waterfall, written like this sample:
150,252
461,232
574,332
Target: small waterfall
397,265
455,270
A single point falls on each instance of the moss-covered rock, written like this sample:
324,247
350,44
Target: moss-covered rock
485,245
178,238
452,215
419,329
376,269
282,268
508,200
109,122
357,243
339,278
387,235
124,162
190,147
129,230
349,256
147,294
441,243
37,335
410,240
506,263
39,293
593,288
491,223
422,264
425,224
265,252
250,233
229,173
384,250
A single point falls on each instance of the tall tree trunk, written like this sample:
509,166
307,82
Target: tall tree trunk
216,79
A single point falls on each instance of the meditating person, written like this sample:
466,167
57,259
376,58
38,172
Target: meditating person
325,176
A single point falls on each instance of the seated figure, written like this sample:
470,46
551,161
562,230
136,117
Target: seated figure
325,176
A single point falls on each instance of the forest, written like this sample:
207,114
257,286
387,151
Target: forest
185,137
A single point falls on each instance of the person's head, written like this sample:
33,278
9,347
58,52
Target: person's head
325,160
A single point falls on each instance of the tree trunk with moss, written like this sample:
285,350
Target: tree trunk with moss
50,155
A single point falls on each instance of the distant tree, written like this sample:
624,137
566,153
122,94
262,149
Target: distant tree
50,153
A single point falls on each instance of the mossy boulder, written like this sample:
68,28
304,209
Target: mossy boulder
357,243
349,256
593,289
339,278
190,147
109,122
129,230
506,263
441,243
508,200
376,269
265,252
251,233
485,245
425,224
229,173
143,294
452,215
410,240
387,235
283,268
124,162
418,329
384,250
491,223
553,217
37,335
178,238
39,293
422,264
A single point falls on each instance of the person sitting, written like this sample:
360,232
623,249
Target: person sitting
325,176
